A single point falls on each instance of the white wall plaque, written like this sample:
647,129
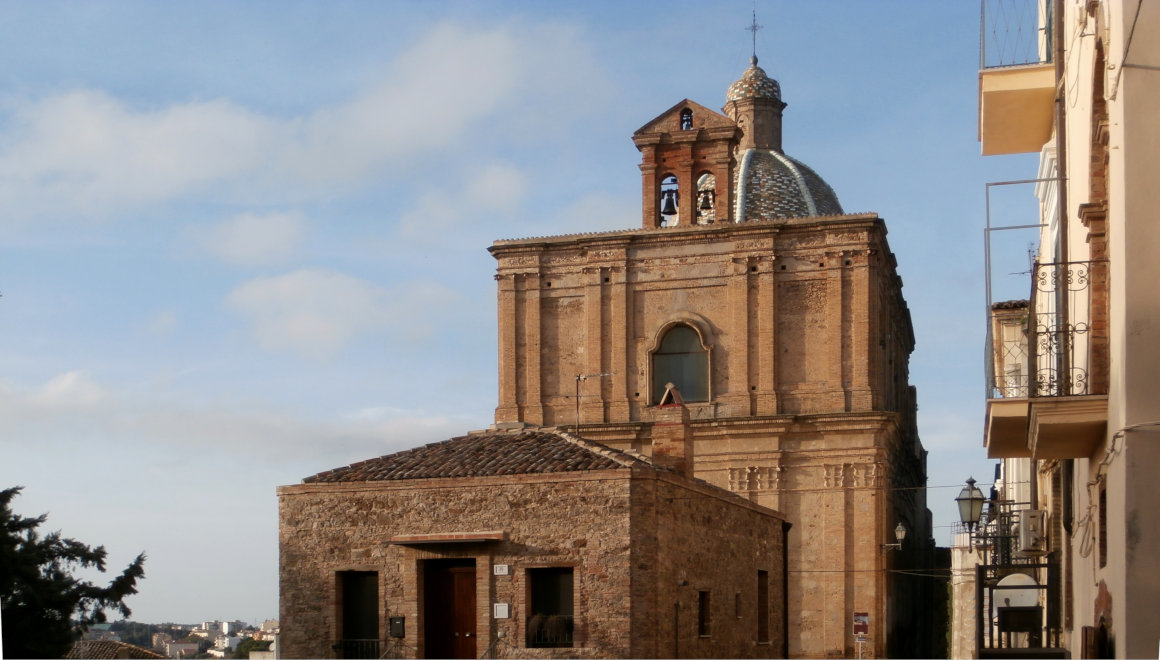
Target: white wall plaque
500,610
500,569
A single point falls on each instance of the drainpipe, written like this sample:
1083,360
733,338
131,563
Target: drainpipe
1061,169
785,525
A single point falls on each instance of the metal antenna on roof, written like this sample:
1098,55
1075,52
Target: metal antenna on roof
754,27
580,377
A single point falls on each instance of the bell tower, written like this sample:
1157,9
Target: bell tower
686,166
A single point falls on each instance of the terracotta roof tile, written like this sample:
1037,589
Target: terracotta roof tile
108,649
486,454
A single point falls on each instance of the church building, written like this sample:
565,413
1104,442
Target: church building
781,321
704,445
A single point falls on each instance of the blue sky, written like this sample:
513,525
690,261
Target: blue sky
241,243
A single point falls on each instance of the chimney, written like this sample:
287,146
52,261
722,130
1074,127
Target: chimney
672,439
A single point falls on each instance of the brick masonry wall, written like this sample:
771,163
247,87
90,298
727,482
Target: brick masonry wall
627,537
804,316
810,342
704,540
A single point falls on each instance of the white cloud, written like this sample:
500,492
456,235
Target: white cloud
598,211
73,390
316,312
498,187
86,154
252,239
72,408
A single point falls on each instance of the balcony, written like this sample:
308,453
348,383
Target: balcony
1017,585
1016,76
1047,377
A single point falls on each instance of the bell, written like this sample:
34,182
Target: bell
706,201
670,205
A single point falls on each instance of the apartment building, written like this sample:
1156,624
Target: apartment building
1062,554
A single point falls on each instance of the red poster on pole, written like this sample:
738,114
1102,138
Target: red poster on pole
861,623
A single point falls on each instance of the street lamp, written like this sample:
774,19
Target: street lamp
899,535
970,501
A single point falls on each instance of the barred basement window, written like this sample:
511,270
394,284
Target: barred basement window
550,618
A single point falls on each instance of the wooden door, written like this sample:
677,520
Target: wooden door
449,608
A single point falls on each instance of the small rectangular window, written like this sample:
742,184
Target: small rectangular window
762,606
550,619
704,617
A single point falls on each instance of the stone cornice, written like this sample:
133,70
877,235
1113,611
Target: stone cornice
716,232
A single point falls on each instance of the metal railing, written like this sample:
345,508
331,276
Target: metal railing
1006,617
1000,627
1058,342
1014,32
356,648
549,631
1052,355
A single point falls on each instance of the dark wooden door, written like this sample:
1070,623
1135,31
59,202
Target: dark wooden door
449,608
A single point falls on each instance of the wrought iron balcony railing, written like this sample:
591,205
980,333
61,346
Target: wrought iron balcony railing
1043,347
1014,32
1058,342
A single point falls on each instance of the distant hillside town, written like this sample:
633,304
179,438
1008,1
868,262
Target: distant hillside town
208,639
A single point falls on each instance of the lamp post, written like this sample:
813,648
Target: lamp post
970,501
899,535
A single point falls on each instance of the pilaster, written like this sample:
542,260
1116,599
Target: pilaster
533,407
509,354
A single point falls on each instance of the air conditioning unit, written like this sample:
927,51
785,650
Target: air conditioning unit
1032,532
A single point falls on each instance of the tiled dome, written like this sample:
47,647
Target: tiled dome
771,185
754,84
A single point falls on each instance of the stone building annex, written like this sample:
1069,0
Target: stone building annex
781,323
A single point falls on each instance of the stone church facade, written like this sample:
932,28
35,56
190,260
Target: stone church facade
781,321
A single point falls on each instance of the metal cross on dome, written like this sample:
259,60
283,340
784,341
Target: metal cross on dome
754,27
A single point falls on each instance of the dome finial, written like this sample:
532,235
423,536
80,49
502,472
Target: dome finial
754,27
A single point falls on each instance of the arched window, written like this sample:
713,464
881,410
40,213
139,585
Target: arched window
686,119
682,361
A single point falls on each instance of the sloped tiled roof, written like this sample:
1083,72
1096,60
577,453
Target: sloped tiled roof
92,648
487,454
